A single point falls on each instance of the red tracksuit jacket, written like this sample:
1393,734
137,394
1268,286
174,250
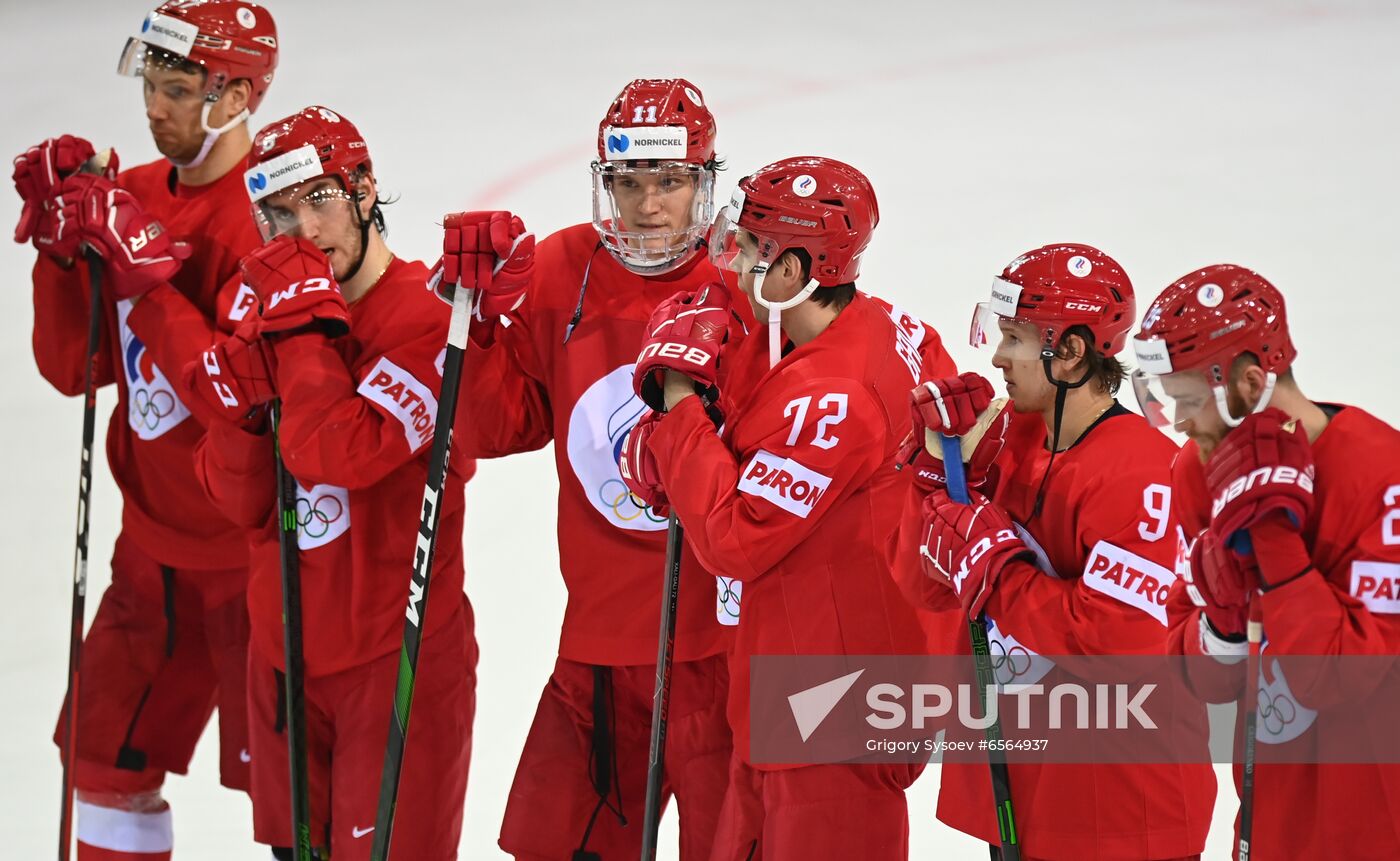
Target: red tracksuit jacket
534,386
358,418
152,434
1348,605
798,498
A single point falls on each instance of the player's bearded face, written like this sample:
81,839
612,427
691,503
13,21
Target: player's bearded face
174,102
322,213
658,203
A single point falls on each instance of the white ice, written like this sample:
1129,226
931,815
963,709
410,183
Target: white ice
1172,135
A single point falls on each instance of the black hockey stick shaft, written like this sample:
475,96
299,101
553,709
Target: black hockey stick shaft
986,678
1255,634
429,516
661,697
80,557
294,680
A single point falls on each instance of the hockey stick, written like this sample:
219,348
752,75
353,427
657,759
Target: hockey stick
1255,634
294,678
80,556
661,697
986,678
431,513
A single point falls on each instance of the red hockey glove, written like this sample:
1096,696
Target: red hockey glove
236,376
297,289
136,249
39,171
1264,465
491,253
686,334
981,443
1221,583
1279,550
638,466
967,546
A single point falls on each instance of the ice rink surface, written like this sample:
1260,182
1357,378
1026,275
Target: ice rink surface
1170,134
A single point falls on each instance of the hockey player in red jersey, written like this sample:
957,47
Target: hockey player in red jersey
797,497
169,640
351,341
1317,547
562,370
1073,493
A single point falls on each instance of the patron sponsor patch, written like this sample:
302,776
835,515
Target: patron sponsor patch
404,398
1377,585
1130,578
783,482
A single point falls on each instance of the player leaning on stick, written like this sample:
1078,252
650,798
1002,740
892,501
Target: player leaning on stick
169,640
798,496
1318,547
346,335
1070,489
562,371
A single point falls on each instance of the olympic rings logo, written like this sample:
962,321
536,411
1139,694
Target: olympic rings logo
1276,711
728,597
625,507
1016,661
149,406
315,518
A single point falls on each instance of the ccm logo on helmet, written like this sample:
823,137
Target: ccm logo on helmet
672,350
1083,306
1262,476
1129,578
783,482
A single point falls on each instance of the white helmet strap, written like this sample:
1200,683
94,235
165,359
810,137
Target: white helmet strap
776,309
211,136
1222,406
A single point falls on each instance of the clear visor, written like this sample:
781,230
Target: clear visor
137,56
319,211
734,248
1170,401
652,218
1012,338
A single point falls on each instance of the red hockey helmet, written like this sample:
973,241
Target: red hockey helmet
1193,332
657,141
230,40
658,119
1056,287
289,153
820,205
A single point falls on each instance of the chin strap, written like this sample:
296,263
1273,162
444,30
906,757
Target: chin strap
1222,405
776,309
1061,392
211,135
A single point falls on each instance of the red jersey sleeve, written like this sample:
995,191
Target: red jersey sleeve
504,405
1117,603
816,444
176,333
62,301
353,430
237,472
